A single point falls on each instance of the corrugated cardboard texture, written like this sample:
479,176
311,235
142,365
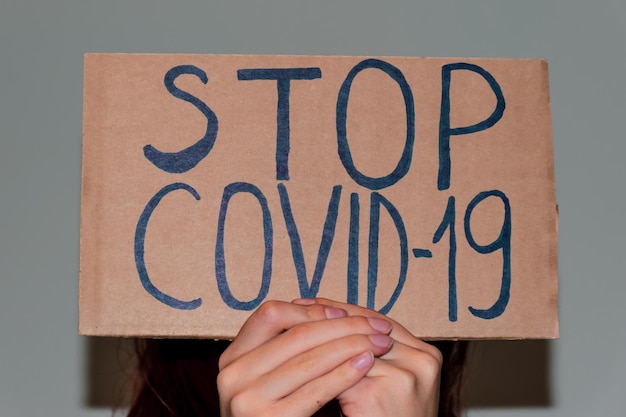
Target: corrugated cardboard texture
422,187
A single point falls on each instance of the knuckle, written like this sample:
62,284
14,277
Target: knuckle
240,405
227,379
360,322
407,381
300,331
438,357
358,343
270,311
224,382
430,367
315,312
305,362
434,353
364,342
224,359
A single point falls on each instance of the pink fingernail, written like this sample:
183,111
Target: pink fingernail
380,325
334,313
381,340
304,301
363,361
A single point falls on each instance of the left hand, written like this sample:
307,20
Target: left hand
402,383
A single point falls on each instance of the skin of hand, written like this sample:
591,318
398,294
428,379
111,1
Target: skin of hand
290,359
402,382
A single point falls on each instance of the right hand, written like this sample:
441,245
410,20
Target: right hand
291,359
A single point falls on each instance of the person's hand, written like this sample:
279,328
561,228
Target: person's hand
290,359
403,382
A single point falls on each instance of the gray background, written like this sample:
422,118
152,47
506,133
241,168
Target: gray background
47,369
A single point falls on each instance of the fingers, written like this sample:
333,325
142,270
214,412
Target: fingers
409,367
286,354
398,333
312,364
292,358
312,396
315,359
404,383
271,319
305,400
300,339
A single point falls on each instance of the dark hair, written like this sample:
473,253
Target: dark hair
177,378
452,372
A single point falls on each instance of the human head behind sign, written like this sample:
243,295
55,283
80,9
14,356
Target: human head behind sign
308,357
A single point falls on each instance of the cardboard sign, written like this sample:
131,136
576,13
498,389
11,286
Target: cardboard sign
420,187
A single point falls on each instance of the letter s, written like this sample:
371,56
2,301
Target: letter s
186,159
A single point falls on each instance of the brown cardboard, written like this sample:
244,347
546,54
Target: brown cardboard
127,106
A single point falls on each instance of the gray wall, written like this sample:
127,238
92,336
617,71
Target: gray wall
47,369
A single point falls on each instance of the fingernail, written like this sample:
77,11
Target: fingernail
380,325
381,340
304,301
334,313
363,361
